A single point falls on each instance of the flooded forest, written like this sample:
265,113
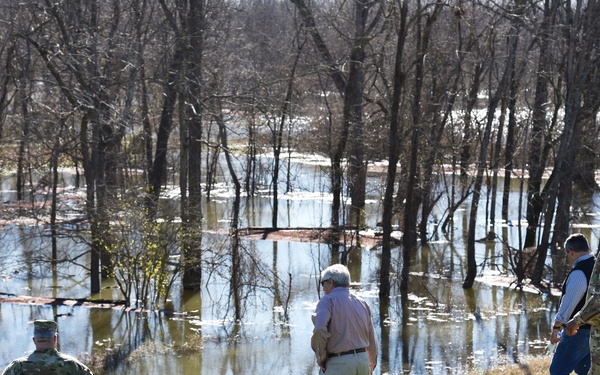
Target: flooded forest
175,174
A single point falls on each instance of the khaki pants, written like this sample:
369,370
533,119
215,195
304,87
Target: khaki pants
355,364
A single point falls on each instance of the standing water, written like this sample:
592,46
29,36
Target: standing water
436,328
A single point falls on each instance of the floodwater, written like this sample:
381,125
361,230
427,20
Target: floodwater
437,328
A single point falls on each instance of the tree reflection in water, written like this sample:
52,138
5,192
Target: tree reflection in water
437,327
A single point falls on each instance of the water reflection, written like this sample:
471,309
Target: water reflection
436,328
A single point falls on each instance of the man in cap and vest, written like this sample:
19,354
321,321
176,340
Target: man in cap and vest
590,315
573,352
46,359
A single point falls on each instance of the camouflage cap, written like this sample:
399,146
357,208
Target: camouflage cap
44,327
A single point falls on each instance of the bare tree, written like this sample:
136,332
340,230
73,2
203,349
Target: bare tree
350,87
515,14
388,201
582,81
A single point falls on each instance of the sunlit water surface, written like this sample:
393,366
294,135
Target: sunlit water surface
438,328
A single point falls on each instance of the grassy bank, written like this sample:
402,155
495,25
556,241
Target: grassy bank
537,365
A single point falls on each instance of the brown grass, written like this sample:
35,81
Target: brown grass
537,365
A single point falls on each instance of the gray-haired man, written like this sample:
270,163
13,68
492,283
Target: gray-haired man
343,339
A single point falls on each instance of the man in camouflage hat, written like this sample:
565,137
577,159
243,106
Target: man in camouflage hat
46,359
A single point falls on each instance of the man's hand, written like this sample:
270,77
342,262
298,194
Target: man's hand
373,367
322,364
555,338
571,327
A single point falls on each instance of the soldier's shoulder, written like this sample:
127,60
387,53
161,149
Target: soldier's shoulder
19,365
14,367
74,366
67,357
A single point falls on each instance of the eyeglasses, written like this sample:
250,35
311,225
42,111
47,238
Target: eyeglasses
324,281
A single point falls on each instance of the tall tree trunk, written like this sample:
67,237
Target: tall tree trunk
158,172
510,150
337,153
413,190
54,157
90,202
278,136
192,272
467,139
393,157
6,88
437,133
353,112
495,166
25,99
539,124
502,91
351,90
582,102
139,8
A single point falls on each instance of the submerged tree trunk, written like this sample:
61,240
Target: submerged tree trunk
538,143
88,168
503,90
25,99
278,137
353,115
510,150
495,167
537,160
414,189
54,157
351,91
582,102
439,117
192,246
338,151
394,148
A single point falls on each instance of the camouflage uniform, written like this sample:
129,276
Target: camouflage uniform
47,362
44,360
590,314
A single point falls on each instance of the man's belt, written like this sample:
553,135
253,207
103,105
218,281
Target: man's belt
354,351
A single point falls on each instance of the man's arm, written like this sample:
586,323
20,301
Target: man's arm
575,288
590,312
320,335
